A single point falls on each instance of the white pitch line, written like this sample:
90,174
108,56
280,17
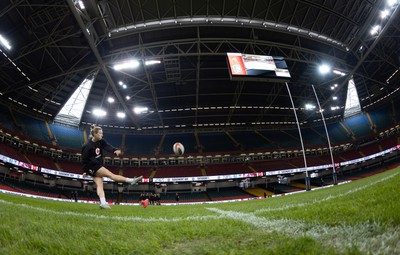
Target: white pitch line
121,218
369,238
330,197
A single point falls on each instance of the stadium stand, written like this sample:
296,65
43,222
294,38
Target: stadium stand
6,119
113,139
312,137
177,171
271,165
359,125
227,193
184,197
216,142
369,149
217,169
281,139
337,134
388,142
250,140
349,155
33,128
67,137
12,152
138,171
41,161
71,167
382,117
141,144
259,192
277,188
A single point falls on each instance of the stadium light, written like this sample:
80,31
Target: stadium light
152,62
139,109
121,115
5,42
384,13
324,69
130,64
309,107
123,85
392,3
81,4
338,72
375,29
99,112
111,100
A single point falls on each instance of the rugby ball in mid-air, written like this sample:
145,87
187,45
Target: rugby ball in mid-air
178,149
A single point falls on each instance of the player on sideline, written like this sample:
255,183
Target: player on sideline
92,161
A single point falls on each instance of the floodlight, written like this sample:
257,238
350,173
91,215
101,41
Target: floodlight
139,109
334,98
99,112
121,115
130,64
111,100
81,5
384,13
4,42
152,62
324,69
338,72
309,107
375,29
392,2
128,97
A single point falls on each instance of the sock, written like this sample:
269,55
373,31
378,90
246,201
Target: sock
103,200
129,180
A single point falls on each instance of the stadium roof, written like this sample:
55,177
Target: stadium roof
50,47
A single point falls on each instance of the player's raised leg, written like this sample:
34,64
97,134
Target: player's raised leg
104,172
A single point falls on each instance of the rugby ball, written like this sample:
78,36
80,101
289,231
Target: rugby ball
178,149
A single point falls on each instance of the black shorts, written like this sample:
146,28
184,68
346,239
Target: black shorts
91,169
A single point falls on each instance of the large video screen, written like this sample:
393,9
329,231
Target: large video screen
257,67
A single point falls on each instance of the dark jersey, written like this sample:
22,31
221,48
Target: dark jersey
92,155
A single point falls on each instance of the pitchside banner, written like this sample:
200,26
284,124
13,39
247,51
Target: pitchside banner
204,178
19,163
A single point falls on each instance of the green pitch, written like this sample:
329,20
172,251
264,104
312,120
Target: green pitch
361,217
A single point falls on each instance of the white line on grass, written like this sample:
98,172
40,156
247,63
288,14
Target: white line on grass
122,218
369,238
330,197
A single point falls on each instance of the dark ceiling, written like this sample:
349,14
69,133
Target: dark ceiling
57,44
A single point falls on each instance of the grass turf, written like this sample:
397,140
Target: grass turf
360,217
